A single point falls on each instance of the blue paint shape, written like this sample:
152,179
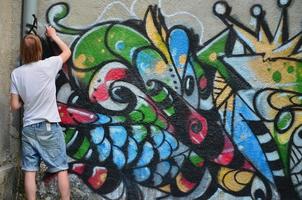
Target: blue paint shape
141,174
120,45
163,168
118,134
178,46
157,136
146,156
104,150
97,135
103,119
145,60
228,121
132,150
139,133
157,179
164,151
118,157
189,71
171,140
245,139
174,171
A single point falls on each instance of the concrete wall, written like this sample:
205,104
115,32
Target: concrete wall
182,100
10,15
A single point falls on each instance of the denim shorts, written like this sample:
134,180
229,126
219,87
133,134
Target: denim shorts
43,141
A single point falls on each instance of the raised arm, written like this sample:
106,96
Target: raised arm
51,32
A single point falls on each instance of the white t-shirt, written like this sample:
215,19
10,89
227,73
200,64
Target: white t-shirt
35,83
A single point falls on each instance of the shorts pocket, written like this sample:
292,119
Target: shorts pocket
48,139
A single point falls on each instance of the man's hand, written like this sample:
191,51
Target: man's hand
50,32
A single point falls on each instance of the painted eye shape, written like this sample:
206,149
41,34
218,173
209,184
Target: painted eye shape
285,120
259,194
198,129
189,85
196,126
297,137
258,189
120,94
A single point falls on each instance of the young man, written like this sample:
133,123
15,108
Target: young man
33,87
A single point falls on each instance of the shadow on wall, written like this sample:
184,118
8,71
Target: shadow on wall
144,106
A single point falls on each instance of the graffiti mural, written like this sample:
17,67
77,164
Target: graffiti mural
146,105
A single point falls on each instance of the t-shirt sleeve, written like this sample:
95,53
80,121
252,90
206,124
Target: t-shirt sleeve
13,85
53,65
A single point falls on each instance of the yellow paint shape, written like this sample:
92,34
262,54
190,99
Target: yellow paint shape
260,69
103,177
244,177
166,188
155,36
160,67
297,56
182,187
281,100
213,56
231,180
182,59
79,61
79,75
163,33
230,103
263,45
287,48
296,100
224,94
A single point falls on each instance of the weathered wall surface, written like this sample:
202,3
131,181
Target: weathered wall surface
181,99
10,15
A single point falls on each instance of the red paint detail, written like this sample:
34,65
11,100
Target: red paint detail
101,93
98,178
66,118
171,129
187,185
201,164
75,116
248,166
196,119
227,154
203,82
78,168
115,74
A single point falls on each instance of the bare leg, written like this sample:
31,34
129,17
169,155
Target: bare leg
30,185
63,183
